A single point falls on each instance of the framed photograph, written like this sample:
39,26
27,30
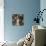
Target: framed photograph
18,19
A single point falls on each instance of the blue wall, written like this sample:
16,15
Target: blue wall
28,8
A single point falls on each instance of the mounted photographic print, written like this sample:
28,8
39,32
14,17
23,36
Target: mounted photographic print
18,19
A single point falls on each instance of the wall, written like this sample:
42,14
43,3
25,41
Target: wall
43,6
1,21
28,8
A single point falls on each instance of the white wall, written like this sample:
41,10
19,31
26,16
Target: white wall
43,6
1,20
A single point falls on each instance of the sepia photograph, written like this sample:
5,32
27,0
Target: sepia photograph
18,19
